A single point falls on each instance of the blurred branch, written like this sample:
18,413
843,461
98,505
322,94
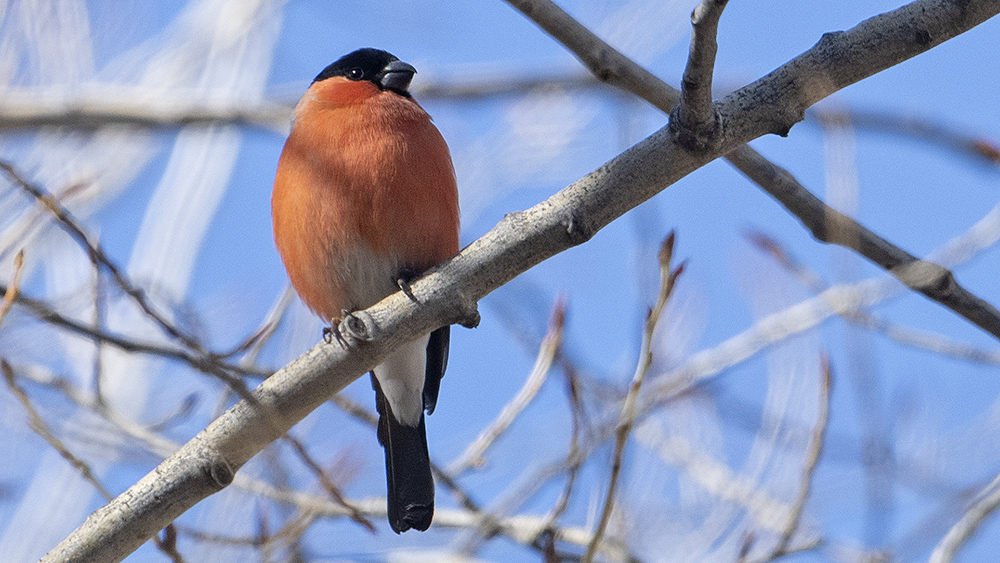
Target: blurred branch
521,529
473,454
11,292
31,109
138,108
985,504
982,149
811,459
829,225
837,300
449,293
37,423
612,67
934,342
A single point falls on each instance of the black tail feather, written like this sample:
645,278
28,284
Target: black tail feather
437,362
410,486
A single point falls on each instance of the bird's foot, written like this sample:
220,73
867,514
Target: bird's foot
332,332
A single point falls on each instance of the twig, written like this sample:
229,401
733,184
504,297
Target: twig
328,485
811,460
986,503
206,364
153,441
668,278
96,253
98,322
253,344
694,121
573,467
37,423
11,292
94,250
934,342
473,454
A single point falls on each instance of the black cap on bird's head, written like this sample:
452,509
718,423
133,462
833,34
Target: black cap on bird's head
374,65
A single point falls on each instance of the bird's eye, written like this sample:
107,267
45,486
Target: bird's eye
355,74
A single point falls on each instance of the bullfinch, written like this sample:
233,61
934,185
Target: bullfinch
364,200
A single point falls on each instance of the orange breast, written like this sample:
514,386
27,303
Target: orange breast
365,187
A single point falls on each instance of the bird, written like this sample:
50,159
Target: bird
365,199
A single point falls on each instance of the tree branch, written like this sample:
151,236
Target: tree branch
871,46
695,121
448,293
135,108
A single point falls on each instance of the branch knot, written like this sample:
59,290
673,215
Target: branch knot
699,137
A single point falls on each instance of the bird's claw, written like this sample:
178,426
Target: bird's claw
332,333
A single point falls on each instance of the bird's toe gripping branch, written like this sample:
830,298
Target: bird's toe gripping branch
350,325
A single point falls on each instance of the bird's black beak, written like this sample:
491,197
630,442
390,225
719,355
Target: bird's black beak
396,76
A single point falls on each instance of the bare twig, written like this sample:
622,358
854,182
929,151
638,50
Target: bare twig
811,460
934,342
37,423
573,458
153,441
695,122
11,292
96,253
94,250
473,454
206,364
668,277
985,504
328,485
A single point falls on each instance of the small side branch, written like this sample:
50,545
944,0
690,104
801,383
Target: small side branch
812,456
695,121
38,424
11,292
101,260
473,454
668,278
984,505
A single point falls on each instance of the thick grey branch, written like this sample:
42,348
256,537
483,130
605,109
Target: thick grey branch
448,294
